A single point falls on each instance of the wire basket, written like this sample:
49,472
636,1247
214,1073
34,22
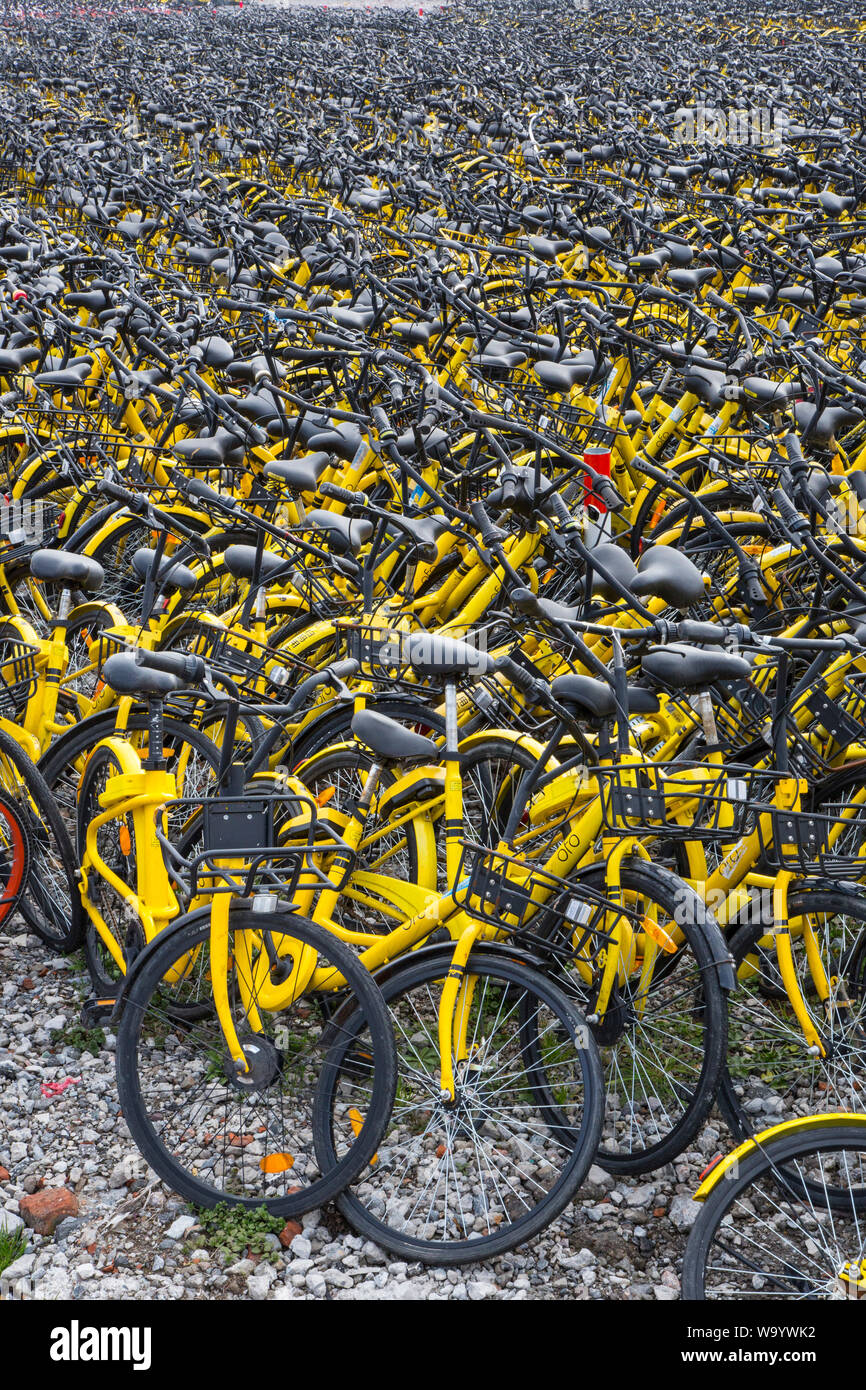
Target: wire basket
18,675
684,800
377,649
560,917
809,843
233,846
261,672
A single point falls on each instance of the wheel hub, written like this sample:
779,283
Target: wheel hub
264,1063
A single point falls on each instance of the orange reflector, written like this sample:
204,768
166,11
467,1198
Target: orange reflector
659,936
710,1166
356,1120
324,797
276,1163
125,840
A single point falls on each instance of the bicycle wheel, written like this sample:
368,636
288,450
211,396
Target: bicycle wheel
14,857
467,1181
51,903
214,1137
786,1223
770,1074
664,1035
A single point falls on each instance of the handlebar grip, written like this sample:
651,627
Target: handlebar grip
343,494
384,428
605,490
150,347
522,680
690,630
558,507
792,448
240,305
788,512
507,490
490,534
188,668
196,487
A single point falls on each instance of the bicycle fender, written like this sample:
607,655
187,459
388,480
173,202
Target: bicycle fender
729,1164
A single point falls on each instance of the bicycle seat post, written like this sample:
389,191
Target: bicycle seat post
155,735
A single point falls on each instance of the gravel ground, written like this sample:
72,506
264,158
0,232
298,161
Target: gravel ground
132,1238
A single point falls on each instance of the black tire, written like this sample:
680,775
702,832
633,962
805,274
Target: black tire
181,1156
14,857
51,904
670,1037
768,1059
784,1222
411,990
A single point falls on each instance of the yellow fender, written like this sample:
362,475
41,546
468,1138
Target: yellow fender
801,1126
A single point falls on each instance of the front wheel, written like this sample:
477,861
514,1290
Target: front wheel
468,1180
786,1223
216,1136
664,1034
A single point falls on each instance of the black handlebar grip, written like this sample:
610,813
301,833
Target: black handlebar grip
605,490
384,428
188,668
788,512
522,680
490,534
343,494
690,630
559,508
792,449
196,487
150,347
507,490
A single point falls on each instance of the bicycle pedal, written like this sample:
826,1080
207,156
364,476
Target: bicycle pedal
95,1012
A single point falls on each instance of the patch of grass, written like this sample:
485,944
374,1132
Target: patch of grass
12,1247
90,1040
238,1231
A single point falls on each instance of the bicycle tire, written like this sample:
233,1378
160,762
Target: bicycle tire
375,1073
573,1151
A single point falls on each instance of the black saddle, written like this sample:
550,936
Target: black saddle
241,560
171,573
123,674
669,574
301,474
595,698
390,740
67,567
343,532
434,654
681,667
